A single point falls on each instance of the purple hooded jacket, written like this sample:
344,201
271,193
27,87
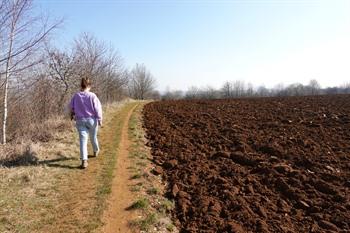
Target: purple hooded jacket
85,104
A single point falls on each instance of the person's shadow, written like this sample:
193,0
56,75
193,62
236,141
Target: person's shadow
31,159
58,163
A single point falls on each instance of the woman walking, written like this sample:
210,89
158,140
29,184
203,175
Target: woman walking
87,111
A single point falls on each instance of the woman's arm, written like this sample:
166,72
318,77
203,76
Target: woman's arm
98,109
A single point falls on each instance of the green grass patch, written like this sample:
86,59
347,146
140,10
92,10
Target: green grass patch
152,191
166,205
141,163
146,223
136,176
135,188
170,227
142,203
133,154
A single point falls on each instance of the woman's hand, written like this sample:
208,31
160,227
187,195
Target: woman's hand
72,115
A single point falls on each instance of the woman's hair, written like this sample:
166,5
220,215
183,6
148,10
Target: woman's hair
85,83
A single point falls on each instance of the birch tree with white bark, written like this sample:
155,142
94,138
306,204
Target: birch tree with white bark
22,33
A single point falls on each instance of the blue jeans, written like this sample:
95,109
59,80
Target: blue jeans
87,127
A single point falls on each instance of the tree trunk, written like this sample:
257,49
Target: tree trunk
63,96
7,74
5,112
6,86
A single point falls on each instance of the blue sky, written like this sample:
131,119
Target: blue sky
201,43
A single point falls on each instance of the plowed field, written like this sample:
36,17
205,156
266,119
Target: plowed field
255,165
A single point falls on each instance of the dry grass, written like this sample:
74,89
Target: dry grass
30,175
45,131
41,189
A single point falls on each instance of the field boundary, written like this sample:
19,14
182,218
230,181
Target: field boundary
152,205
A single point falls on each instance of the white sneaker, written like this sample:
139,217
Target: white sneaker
84,164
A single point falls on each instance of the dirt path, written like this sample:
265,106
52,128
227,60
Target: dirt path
117,216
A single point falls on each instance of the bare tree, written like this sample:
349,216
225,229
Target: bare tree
141,82
250,90
192,93
263,91
90,55
278,90
238,88
62,70
114,78
227,90
209,93
295,89
314,87
96,60
172,94
346,88
21,34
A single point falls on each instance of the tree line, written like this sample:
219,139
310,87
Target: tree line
37,79
240,89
